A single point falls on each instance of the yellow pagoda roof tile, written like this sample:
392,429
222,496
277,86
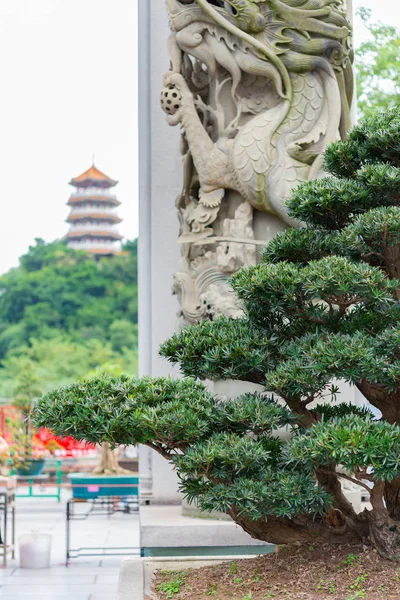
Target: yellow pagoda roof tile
95,175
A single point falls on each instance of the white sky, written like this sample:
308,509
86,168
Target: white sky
69,79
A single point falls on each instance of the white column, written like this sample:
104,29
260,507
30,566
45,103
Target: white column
160,180
350,14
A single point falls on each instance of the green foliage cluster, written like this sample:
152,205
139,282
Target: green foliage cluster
62,313
223,349
322,306
378,66
354,442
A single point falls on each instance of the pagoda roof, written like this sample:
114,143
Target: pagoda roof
111,235
73,217
107,200
93,177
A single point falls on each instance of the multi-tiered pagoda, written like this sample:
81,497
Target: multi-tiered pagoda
93,219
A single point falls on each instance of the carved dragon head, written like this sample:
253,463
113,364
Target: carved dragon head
254,16
246,14
270,38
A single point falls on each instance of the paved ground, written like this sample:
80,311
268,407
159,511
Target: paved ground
86,578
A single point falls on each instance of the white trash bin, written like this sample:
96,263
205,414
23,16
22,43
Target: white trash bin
34,550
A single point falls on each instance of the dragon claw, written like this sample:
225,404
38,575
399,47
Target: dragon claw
175,87
175,79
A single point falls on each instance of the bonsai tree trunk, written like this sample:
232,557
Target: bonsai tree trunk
109,462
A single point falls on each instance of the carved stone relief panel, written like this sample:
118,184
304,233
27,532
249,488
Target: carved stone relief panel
259,88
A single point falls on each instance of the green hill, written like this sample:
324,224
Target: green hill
66,314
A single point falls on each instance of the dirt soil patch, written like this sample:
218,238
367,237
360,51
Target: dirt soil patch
296,572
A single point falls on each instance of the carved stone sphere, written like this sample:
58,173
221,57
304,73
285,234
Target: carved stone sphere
171,99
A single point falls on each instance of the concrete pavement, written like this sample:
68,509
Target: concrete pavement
87,578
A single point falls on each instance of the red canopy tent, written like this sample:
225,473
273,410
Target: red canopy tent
67,446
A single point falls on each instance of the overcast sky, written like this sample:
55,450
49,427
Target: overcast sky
69,80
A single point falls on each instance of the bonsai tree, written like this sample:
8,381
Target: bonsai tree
323,305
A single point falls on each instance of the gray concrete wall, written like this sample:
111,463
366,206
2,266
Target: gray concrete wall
160,174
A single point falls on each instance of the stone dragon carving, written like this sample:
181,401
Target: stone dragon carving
260,88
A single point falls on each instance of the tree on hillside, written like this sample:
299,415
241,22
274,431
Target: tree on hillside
60,360
43,255
378,66
322,305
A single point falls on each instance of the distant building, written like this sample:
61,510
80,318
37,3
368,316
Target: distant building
93,220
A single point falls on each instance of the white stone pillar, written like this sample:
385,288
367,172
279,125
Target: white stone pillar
350,10
160,175
350,15
160,179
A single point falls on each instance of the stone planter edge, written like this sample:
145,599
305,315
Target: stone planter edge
136,574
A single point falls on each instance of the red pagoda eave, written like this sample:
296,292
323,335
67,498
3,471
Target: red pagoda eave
73,218
106,200
111,235
103,251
